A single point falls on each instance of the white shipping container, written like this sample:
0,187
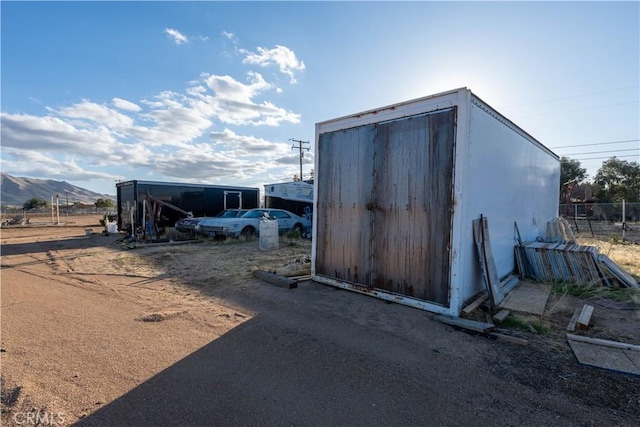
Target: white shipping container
397,188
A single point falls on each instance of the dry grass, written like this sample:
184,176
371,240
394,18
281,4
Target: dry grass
626,255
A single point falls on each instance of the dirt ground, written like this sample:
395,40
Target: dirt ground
96,333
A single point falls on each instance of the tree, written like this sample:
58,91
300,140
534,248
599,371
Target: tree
570,170
104,203
35,202
571,174
618,180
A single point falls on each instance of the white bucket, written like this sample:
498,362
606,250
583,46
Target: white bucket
269,238
112,227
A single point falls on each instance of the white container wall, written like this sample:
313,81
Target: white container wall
397,188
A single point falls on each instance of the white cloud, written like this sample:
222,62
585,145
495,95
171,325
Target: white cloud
123,104
281,56
295,159
174,125
201,162
36,139
226,87
97,113
177,37
42,164
169,135
233,102
33,133
248,145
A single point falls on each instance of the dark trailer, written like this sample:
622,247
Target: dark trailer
199,199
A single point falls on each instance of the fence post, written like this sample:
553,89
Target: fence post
624,219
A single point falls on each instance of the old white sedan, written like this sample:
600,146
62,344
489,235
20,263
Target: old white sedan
248,225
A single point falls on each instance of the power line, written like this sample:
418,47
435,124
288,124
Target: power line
545,101
599,152
596,143
300,147
607,158
576,109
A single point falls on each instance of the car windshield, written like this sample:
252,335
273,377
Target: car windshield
229,214
254,214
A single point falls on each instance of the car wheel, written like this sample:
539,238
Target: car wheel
248,233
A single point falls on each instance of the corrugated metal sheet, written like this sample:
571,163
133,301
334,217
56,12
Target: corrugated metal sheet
559,230
561,262
618,273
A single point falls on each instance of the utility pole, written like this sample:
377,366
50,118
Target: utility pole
300,147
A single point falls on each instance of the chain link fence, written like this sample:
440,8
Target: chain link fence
596,220
606,221
18,215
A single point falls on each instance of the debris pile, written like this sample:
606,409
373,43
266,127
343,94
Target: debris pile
559,262
287,276
560,259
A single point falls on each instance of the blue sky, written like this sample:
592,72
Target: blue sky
211,92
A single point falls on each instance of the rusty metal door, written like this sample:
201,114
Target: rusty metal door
413,192
345,191
385,205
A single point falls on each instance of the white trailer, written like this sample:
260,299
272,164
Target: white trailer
397,188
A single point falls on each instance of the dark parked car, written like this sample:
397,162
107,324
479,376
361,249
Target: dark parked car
185,225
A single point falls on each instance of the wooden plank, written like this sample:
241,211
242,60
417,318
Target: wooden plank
509,284
605,354
477,237
474,305
283,282
488,317
524,266
574,319
291,273
507,279
528,298
585,317
142,244
501,315
494,280
608,343
467,324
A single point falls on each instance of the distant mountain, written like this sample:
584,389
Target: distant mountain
16,191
